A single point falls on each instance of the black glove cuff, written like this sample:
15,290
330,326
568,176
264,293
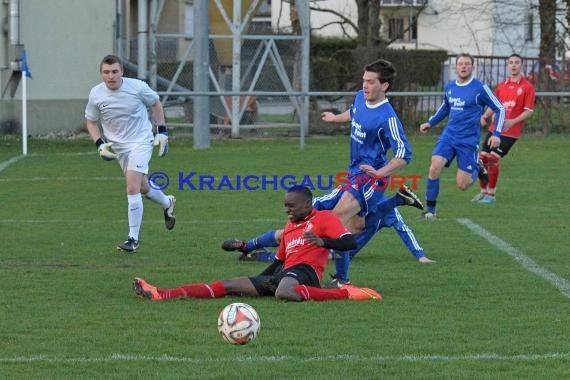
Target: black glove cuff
99,142
161,129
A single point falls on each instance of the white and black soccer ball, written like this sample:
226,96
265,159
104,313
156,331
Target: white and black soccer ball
238,323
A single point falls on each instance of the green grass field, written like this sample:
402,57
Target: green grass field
495,306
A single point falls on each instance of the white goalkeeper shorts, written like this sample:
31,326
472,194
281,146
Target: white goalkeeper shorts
136,159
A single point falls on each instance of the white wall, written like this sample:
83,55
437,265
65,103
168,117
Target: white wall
65,41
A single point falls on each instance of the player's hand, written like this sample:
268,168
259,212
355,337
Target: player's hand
368,169
161,140
311,237
494,142
328,116
105,150
425,127
508,125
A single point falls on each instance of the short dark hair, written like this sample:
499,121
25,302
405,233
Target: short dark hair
110,59
515,55
303,190
465,55
384,69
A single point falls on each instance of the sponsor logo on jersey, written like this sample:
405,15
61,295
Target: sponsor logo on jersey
357,133
295,243
456,102
510,103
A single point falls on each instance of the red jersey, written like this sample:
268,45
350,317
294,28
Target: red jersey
516,97
294,249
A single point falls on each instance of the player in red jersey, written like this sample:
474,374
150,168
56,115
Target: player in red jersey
297,271
517,95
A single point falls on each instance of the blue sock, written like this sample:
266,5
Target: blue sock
265,240
266,256
432,192
391,203
342,262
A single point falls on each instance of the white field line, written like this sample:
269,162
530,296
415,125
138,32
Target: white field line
5,164
118,358
558,282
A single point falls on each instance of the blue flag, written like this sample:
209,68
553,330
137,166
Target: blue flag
25,67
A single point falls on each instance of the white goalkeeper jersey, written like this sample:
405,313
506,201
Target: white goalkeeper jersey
123,113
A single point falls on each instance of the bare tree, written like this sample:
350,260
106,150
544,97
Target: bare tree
547,11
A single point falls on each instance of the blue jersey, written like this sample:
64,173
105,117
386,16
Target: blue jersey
374,130
464,104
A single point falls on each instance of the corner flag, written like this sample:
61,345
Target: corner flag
25,67
25,73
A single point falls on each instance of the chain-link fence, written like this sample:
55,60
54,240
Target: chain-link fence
267,109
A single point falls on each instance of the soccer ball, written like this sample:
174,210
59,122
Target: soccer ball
238,323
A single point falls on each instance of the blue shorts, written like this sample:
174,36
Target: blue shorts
368,196
467,155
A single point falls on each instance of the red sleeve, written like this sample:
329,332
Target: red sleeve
280,255
529,97
330,226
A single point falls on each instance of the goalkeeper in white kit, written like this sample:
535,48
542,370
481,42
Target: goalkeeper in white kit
121,106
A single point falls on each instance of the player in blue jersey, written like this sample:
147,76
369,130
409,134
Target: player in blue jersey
464,102
375,128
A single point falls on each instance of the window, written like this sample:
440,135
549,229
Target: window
529,37
413,28
395,28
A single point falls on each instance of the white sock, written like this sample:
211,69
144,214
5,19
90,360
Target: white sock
159,197
135,215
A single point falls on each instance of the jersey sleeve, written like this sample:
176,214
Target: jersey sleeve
147,94
91,110
491,100
398,140
441,112
529,97
280,254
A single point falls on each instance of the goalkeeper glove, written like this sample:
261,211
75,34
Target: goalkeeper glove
105,150
161,140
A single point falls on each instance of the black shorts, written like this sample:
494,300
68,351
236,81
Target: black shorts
303,273
502,150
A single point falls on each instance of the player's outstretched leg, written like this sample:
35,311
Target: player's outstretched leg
169,217
234,245
410,197
357,293
143,289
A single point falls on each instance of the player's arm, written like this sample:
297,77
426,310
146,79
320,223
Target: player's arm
509,123
161,138
487,116
344,243
400,147
391,167
334,118
438,116
497,107
104,148
157,113
93,129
